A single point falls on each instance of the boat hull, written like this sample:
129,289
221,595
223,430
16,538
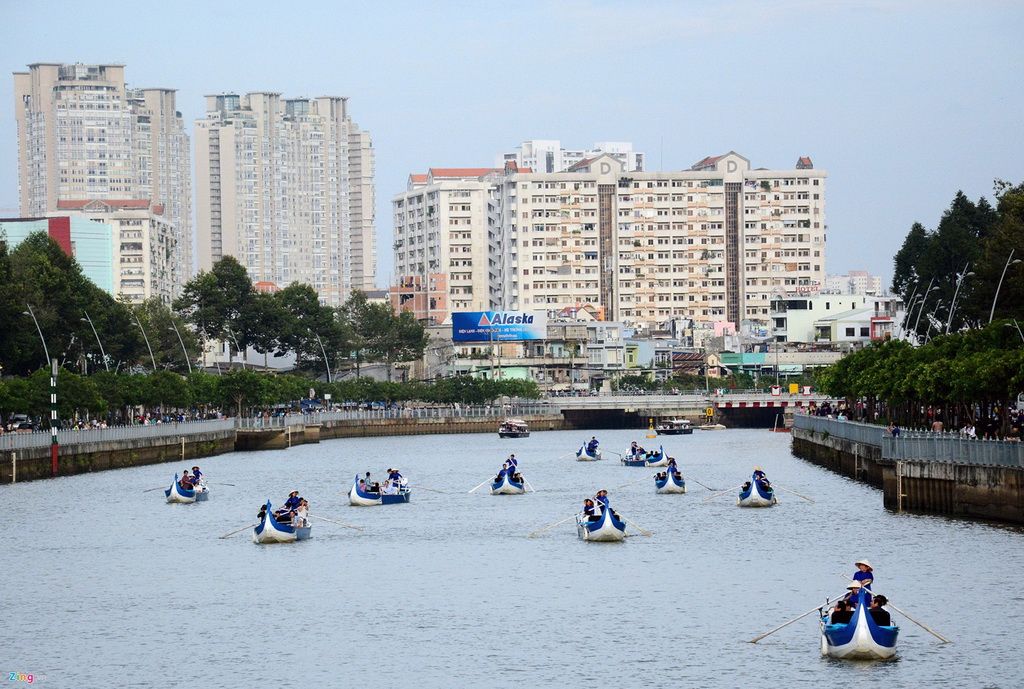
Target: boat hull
861,639
658,460
269,530
607,529
634,462
361,498
507,486
670,485
185,497
583,456
513,434
756,496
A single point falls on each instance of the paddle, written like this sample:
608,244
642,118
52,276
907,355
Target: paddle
798,617
232,533
616,453
152,489
431,490
723,492
332,521
643,531
922,625
218,483
529,485
645,478
793,492
482,484
549,526
701,484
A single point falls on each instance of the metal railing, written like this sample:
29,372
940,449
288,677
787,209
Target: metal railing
864,433
496,411
952,449
919,446
24,441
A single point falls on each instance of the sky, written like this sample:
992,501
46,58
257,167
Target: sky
903,102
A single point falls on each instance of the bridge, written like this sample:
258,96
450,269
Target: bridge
732,408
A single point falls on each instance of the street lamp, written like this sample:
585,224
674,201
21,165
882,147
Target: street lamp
102,353
1009,263
959,281
146,337
1014,325
183,350
920,310
32,313
324,351
241,354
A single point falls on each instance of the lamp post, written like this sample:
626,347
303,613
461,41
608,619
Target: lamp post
241,354
145,337
920,310
102,353
1017,327
32,313
961,276
324,352
1010,261
183,350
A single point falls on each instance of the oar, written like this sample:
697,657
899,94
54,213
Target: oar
643,531
332,521
723,492
482,484
645,478
793,492
431,490
700,484
218,483
530,486
786,624
549,526
922,625
616,453
152,489
232,533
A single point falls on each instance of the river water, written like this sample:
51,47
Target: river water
108,586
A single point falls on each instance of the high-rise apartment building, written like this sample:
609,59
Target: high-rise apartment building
711,244
548,155
84,136
286,187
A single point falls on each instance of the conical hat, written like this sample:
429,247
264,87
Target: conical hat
865,563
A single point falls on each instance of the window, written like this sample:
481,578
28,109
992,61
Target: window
849,332
865,332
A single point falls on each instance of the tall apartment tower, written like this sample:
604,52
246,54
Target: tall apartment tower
286,187
711,244
84,136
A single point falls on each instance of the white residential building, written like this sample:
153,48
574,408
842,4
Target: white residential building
547,155
824,317
710,244
286,187
83,135
144,246
854,282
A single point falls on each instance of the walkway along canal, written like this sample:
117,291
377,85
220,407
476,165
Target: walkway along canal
938,473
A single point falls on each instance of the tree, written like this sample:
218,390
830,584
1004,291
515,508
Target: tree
1005,236
214,301
395,338
907,259
313,328
163,327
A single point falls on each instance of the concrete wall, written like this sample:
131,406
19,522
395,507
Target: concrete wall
388,427
117,454
855,460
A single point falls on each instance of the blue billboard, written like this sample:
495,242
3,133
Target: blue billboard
499,326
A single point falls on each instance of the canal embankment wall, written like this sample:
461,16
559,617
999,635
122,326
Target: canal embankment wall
29,458
932,473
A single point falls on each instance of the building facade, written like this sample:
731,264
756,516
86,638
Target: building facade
548,155
854,318
89,242
286,187
707,245
854,282
84,136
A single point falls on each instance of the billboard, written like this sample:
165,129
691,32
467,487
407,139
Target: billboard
499,326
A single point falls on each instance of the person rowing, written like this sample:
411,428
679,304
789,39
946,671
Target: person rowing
197,476
289,507
511,464
672,467
865,573
602,501
590,511
592,445
186,481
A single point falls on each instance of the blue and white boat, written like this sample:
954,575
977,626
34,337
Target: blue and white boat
269,530
506,486
658,459
364,498
672,483
583,456
861,639
754,495
606,528
178,494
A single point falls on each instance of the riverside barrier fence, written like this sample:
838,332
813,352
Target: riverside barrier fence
66,437
919,446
